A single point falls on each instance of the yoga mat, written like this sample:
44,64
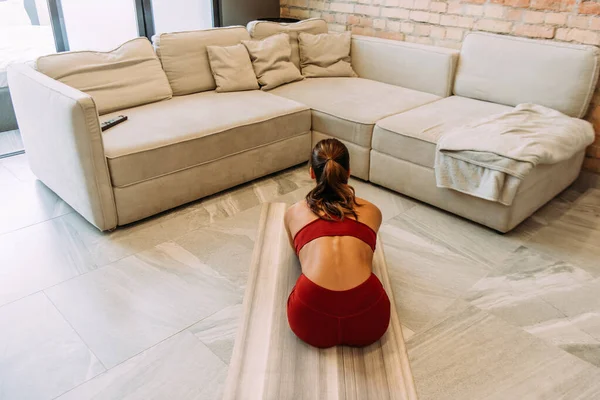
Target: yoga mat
270,362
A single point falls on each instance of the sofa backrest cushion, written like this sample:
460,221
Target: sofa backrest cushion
185,59
414,66
510,71
262,29
325,54
125,77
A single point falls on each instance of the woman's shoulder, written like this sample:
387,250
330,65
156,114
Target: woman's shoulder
367,206
363,202
369,211
298,206
296,210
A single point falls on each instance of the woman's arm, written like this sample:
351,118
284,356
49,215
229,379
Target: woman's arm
378,217
370,213
286,221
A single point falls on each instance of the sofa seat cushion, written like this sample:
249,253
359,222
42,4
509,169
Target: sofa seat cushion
412,135
186,131
348,108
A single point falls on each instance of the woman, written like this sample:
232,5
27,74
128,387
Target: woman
337,300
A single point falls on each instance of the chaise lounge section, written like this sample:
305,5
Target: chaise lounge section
494,73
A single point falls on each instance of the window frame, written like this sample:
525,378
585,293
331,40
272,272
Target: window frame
144,17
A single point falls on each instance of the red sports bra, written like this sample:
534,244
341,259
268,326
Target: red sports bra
321,227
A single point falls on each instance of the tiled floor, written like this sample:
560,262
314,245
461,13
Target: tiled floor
150,311
10,142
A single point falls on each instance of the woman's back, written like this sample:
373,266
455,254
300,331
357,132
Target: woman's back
337,300
335,262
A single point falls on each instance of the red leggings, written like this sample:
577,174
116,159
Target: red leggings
325,318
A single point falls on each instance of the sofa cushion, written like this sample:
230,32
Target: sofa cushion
185,60
412,135
510,70
127,76
271,61
325,54
187,131
232,68
262,29
414,66
347,108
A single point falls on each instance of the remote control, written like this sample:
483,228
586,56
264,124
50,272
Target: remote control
112,122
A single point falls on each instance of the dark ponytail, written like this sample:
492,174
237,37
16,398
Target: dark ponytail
332,198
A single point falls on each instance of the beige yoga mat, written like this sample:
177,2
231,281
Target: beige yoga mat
270,362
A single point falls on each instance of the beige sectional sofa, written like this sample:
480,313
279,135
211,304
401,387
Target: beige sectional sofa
200,142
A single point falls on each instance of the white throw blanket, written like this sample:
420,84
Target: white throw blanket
490,157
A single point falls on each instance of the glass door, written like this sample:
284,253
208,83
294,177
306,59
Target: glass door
99,25
182,15
25,34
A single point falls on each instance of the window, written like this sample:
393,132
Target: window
182,15
99,25
105,24
25,34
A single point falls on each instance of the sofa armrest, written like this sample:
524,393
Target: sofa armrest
62,136
414,66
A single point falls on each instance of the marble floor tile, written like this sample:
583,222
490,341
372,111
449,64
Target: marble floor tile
427,274
218,331
10,142
294,196
582,303
563,332
407,333
486,315
527,279
474,355
40,354
26,203
107,247
575,237
19,167
477,242
128,306
286,182
551,299
180,368
226,246
568,334
548,213
244,223
6,178
389,202
246,196
39,256
456,307
587,352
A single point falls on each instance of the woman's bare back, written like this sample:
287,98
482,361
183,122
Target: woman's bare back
334,262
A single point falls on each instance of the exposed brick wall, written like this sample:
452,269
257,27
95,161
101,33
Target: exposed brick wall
444,23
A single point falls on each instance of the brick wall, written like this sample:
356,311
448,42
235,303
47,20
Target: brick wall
444,23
